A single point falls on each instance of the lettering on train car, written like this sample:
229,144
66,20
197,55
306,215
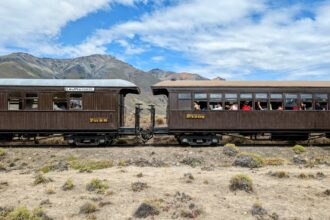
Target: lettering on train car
98,120
79,89
195,116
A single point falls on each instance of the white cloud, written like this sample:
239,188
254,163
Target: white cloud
157,58
237,37
34,25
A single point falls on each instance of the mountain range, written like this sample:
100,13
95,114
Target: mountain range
23,65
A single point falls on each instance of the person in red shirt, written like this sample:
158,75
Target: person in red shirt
246,106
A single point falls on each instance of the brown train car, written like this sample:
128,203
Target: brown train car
199,110
86,111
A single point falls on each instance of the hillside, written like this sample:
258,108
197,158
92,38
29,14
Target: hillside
22,65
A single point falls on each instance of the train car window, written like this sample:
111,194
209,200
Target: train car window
31,101
306,102
184,96
231,101
246,101
261,101
184,101
15,102
291,102
60,102
75,102
215,101
276,102
200,101
321,102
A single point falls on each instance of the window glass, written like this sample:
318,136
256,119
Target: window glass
200,96
200,101
184,96
15,102
184,101
321,102
216,101
291,102
217,96
75,101
231,101
276,102
31,101
60,102
276,96
246,101
306,102
261,102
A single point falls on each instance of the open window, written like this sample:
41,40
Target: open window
231,101
246,101
321,102
200,101
31,101
306,102
291,102
15,101
60,102
75,102
215,102
261,102
276,102
184,101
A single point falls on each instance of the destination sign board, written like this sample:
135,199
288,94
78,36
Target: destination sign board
79,89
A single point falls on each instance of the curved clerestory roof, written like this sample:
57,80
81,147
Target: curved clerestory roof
103,83
161,88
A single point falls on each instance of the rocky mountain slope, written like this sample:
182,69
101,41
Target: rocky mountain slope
22,65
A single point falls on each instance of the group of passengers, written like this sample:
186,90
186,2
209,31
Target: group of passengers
248,107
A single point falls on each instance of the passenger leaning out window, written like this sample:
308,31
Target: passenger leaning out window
197,107
246,106
218,107
234,107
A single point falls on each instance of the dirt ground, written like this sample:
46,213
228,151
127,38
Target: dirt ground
180,182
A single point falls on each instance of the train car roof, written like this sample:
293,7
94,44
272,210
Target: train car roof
118,83
161,88
220,83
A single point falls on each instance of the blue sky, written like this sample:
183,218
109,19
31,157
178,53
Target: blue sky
237,39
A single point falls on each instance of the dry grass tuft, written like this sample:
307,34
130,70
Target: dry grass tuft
68,185
139,186
274,161
88,208
89,165
298,149
22,213
40,179
279,174
160,121
146,209
258,210
2,152
231,150
241,182
97,185
50,189
250,160
122,163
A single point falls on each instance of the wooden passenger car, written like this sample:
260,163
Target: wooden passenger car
198,110
33,107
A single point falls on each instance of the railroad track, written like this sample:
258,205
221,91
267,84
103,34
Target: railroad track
25,145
